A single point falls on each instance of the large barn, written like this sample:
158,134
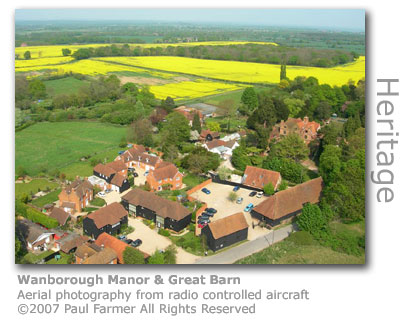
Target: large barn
166,214
287,203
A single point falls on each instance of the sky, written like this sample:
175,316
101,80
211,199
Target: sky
337,19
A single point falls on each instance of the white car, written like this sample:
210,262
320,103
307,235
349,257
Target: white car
259,194
101,194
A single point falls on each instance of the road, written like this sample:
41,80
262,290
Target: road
232,255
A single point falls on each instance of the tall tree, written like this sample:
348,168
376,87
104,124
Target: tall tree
249,99
292,147
196,125
27,55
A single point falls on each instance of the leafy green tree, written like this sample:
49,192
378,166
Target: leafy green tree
37,89
269,189
289,169
140,132
330,133
283,185
133,256
130,88
240,159
213,126
83,53
249,99
232,196
66,52
175,130
323,111
200,161
283,71
168,104
291,147
27,55
156,258
294,106
196,125
123,143
228,110
312,219
21,171
330,163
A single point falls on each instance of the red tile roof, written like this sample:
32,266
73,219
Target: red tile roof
258,177
228,225
60,215
165,170
291,200
110,214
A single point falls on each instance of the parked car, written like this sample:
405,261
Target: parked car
136,243
122,237
252,193
207,214
146,173
131,169
259,194
236,188
205,190
135,174
101,194
127,241
239,200
108,190
121,152
203,219
202,225
211,210
249,207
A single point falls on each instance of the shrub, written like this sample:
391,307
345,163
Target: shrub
232,196
164,232
312,220
269,189
283,185
38,217
133,256
170,254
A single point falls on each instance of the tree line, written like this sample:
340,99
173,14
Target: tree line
244,52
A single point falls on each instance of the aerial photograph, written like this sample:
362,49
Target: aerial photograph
189,136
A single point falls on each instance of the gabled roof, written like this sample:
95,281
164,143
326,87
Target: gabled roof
71,241
67,204
165,170
104,256
291,200
80,187
163,207
118,179
117,165
259,177
117,245
215,143
104,169
108,215
228,225
32,232
60,215
214,134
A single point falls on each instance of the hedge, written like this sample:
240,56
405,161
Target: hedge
38,217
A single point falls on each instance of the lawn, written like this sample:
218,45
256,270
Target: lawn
191,180
48,198
291,251
49,146
32,258
98,202
190,243
33,186
65,85
65,258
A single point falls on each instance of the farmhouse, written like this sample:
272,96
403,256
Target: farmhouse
226,231
114,174
108,241
167,214
165,176
189,113
305,129
76,196
108,219
137,157
223,148
287,203
258,177
36,237
91,253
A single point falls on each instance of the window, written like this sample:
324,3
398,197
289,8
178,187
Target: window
160,181
178,178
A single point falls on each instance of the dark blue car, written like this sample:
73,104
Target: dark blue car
205,190
236,188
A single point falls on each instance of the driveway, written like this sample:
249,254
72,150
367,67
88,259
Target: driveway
152,241
236,253
218,199
140,179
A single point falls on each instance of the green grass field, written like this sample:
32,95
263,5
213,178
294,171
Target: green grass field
33,186
65,85
48,198
50,146
291,252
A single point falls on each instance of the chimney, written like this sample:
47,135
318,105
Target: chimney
305,119
102,247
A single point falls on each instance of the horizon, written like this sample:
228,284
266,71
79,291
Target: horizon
350,20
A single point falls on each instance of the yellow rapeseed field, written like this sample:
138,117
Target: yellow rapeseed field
246,71
41,62
192,89
56,51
